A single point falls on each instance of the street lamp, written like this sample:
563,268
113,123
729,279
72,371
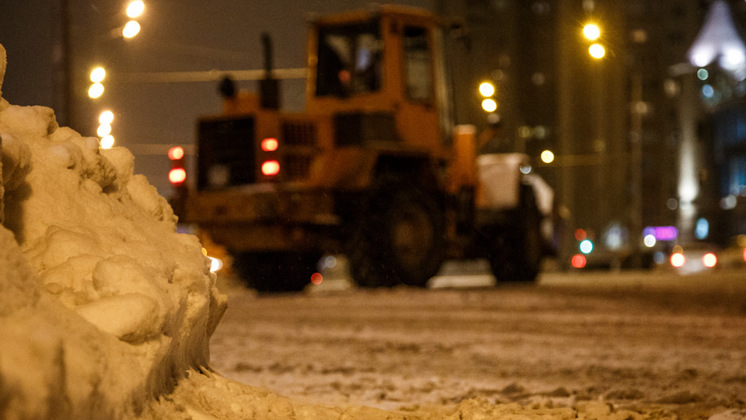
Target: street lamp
597,51
135,9
131,29
591,31
97,88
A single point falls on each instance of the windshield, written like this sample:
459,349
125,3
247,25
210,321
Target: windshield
349,59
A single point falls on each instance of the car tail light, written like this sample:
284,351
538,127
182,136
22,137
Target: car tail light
678,259
710,260
270,144
578,261
270,168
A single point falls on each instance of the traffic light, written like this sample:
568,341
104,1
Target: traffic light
177,175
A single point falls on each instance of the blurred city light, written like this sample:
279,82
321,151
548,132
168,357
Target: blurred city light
317,278
107,142
131,29
270,144
98,75
106,117
719,39
96,90
177,176
215,264
586,246
649,241
709,260
135,9
489,105
578,261
271,168
486,89
597,51
176,153
103,130
678,259
547,156
591,31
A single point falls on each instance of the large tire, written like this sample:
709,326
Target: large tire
276,272
516,251
397,238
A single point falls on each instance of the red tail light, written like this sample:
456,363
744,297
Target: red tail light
177,176
270,168
579,261
270,144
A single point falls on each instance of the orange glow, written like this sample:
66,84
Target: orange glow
177,176
710,260
744,254
578,261
580,235
176,153
678,259
271,168
317,278
270,144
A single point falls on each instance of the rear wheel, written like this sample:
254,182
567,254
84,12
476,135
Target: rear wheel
275,272
516,250
397,238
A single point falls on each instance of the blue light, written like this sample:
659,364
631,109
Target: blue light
708,91
702,230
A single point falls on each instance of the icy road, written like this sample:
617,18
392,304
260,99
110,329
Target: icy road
660,344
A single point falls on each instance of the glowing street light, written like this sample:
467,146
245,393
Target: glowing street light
591,32
131,29
96,90
135,9
486,89
107,142
547,156
98,75
103,130
489,105
106,117
597,51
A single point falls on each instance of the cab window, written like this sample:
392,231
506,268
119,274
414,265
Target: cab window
349,59
417,72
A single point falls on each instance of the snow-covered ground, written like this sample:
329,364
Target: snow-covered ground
640,345
107,312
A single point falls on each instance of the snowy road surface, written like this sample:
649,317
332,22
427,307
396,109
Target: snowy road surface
654,343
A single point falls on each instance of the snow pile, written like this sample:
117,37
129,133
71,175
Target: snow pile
103,306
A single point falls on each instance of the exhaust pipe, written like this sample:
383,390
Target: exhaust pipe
269,87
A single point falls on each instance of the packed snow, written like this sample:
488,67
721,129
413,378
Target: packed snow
107,312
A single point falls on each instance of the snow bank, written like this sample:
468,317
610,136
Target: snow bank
103,306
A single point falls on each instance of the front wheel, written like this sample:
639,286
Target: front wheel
276,272
398,238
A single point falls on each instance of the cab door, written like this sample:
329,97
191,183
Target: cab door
416,103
